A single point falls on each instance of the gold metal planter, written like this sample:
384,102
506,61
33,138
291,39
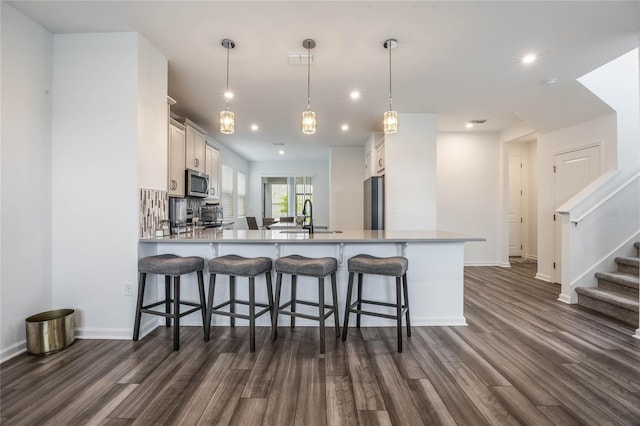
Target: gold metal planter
51,331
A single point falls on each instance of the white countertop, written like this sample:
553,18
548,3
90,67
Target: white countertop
282,236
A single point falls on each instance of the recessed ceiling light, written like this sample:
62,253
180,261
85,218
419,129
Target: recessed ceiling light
254,127
527,59
344,127
228,94
468,125
281,152
355,95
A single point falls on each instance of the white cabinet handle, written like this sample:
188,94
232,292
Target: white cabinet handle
213,190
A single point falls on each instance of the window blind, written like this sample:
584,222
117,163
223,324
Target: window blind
227,191
242,192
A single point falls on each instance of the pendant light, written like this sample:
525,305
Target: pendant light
390,117
308,116
227,120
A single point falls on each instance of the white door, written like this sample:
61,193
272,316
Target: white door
515,205
573,171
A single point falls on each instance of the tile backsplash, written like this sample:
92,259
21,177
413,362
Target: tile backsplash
154,207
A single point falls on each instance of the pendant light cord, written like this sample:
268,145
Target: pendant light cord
389,44
308,78
227,99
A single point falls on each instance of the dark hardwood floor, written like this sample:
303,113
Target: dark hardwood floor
524,359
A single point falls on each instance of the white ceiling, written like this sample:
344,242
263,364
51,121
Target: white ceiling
460,60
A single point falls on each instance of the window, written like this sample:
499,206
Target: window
227,191
242,194
285,195
304,190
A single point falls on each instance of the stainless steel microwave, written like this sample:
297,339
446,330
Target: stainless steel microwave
197,184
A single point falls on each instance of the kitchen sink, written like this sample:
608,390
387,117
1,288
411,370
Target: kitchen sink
321,231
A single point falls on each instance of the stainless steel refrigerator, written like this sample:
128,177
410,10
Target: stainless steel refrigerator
374,203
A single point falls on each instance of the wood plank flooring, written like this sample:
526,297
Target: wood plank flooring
523,359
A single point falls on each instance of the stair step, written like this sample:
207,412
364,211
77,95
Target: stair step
618,305
621,283
628,265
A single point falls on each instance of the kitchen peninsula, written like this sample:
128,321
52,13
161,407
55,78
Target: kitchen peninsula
435,274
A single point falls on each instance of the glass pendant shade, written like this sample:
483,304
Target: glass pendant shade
227,122
390,122
308,122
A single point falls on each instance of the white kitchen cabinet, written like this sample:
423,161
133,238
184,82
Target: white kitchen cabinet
175,184
367,164
212,168
195,147
379,159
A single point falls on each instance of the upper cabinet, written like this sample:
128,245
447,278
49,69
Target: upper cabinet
212,168
195,147
175,184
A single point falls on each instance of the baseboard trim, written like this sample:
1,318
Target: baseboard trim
13,351
637,335
543,277
530,257
117,333
565,299
483,263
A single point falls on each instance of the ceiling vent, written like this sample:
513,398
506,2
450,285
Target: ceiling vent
477,121
299,58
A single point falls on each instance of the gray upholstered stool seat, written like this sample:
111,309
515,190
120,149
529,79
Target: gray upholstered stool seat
366,264
307,266
240,266
233,266
174,266
295,265
395,266
170,264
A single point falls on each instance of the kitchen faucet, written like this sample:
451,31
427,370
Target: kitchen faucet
310,216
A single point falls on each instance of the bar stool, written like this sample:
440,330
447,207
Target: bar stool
234,266
174,266
389,266
309,267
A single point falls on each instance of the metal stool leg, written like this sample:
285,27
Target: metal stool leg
270,295
203,304
359,300
207,321
321,312
276,307
335,304
141,284
347,308
252,314
167,300
176,312
294,280
406,303
232,298
398,312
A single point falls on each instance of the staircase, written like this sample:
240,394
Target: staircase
617,292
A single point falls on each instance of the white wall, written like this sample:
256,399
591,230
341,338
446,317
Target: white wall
319,170
95,175
25,152
346,188
469,191
410,174
599,129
